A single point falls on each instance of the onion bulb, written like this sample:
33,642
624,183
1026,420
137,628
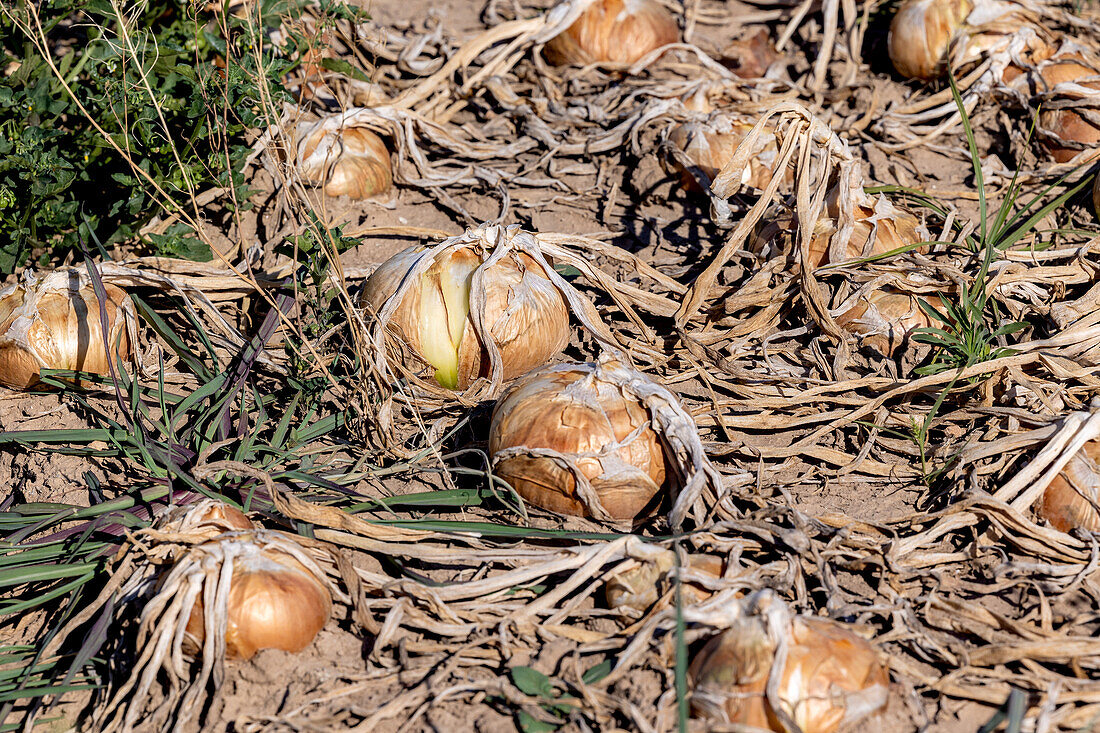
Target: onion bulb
830,680
206,519
878,227
55,323
346,161
1096,196
615,32
277,597
886,318
921,34
640,587
1072,77
523,310
709,146
1070,500
598,440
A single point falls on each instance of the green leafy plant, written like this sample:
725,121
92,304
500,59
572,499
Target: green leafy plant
113,113
973,328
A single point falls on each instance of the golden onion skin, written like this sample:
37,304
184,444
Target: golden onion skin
921,33
525,313
352,161
1069,126
1068,501
832,678
891,226
887,318
54,323
710,149
274,603
603,430
640,587
614,32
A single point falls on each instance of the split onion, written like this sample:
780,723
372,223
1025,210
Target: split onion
614,31
921,34
571,440
55,323
520,307
346,161
277,597
830,679
1070,501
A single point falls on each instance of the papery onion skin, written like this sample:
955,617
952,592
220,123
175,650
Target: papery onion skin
615,32
887,318
891,226
274,603
566,409
710,149
1069,125
526,315
639,589
352,162
921,33
54,323
832,678
1068,508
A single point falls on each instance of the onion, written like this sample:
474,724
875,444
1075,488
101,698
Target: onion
206,518
640,587
710,145
277,597
614,31
1096,196
1073,77
1069,502
54,323
886,318
830,678
347,161
878,227
522,309
597,439
921,35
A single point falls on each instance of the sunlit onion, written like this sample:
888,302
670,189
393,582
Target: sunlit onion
614,31
831,679
346,161
1070,501
600,440
277,597
567,439
522,309
55,323
921,34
